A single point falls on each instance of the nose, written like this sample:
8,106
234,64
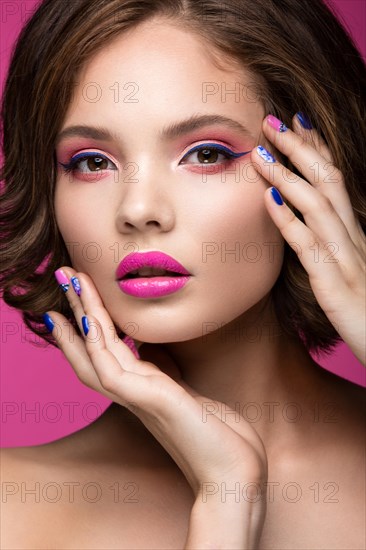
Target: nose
145,205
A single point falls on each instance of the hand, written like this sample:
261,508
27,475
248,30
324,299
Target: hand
209,449
331,245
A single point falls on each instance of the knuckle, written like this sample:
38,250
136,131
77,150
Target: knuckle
290,176
73,302
107,382
92,351
86,382
83,377
325,205
291,218
295,143
332,173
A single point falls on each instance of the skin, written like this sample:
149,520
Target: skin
170,208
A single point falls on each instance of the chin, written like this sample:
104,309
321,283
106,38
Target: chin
164,334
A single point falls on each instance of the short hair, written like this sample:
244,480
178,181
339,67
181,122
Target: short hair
302,59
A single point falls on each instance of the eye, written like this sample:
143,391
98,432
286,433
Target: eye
95,162
208,153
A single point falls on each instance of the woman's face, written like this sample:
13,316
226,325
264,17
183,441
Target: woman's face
151,195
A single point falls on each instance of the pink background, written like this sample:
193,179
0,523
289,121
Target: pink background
41,398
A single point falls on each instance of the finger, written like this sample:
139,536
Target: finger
73,348
86,300
310,135
320,173
107,368
92,305
63,277
69,282
309,162
142,387
321,218
320,261
78,299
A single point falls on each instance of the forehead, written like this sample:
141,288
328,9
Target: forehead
157,69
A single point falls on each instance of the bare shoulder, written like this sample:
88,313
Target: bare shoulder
324,467
17,465
22,482
109,478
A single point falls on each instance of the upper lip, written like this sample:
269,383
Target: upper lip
137,260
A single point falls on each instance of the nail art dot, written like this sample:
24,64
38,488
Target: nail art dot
266,155
76,285
276,123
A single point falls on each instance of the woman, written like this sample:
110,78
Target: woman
223,432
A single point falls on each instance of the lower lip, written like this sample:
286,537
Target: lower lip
152,287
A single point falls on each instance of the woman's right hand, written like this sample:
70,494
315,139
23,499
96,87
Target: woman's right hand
217,453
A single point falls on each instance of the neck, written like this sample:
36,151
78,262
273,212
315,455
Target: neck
248,359
252,367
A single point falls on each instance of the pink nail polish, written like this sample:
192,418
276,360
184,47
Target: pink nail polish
276,123
62,280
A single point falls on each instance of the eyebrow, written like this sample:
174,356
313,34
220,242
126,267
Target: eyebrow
93,132
172,131
195,122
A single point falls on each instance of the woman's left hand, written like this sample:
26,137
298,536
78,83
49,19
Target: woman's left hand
331,244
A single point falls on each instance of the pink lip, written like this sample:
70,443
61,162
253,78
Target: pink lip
151,287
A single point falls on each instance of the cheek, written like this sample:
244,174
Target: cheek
240,233
79,230
241,254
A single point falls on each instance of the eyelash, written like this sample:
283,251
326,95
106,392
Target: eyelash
71,166
230,155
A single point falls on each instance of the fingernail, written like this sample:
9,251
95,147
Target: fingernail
48,322
276,123
62,280
84,322
266,155
276,196
76,285
304,121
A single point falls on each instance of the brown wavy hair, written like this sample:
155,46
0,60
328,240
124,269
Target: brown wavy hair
301,55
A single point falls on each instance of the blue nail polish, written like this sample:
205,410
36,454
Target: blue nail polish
76,285
276,196
48,322
85,324
266,155
304,121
